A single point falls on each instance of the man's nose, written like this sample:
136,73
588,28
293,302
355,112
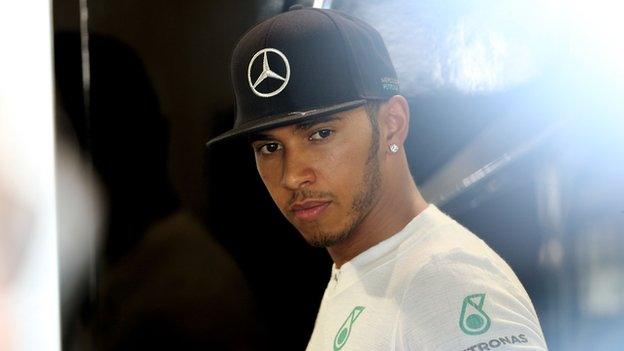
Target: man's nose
297,171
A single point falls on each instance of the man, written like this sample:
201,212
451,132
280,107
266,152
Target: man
317,98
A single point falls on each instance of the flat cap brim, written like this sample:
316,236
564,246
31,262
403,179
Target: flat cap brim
271,122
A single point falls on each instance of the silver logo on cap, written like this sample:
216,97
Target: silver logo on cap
268,73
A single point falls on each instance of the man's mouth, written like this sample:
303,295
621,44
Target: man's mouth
309,210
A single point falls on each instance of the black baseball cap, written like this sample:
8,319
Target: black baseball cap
303,64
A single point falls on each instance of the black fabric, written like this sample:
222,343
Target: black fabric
335,62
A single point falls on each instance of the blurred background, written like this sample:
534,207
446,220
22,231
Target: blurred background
516,131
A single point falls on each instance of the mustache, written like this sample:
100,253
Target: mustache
305,194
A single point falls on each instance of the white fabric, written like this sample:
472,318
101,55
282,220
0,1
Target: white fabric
408,292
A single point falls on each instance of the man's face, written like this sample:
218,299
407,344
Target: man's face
324,176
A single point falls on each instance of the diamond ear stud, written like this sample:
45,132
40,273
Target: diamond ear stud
394,148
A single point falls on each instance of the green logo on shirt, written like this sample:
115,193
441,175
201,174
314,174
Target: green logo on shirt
343,333
473,320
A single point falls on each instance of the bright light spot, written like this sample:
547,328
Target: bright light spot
27,170
318,4
596,30
484,46
482,60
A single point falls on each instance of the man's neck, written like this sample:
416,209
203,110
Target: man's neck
387,217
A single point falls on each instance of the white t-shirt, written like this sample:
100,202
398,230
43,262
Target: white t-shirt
432,286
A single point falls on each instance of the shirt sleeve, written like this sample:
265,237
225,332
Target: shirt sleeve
466,303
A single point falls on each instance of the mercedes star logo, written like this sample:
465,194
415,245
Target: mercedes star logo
268,73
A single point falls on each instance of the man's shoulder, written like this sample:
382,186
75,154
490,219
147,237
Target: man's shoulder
458,273
459,291
453,251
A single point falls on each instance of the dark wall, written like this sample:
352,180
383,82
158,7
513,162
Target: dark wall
183,261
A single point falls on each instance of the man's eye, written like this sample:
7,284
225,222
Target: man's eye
270,148
321,134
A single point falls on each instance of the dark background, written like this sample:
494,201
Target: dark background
195,255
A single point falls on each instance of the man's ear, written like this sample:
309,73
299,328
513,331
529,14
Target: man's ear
396,120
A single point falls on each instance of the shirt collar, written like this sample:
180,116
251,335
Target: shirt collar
381,252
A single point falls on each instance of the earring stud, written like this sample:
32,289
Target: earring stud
394,148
